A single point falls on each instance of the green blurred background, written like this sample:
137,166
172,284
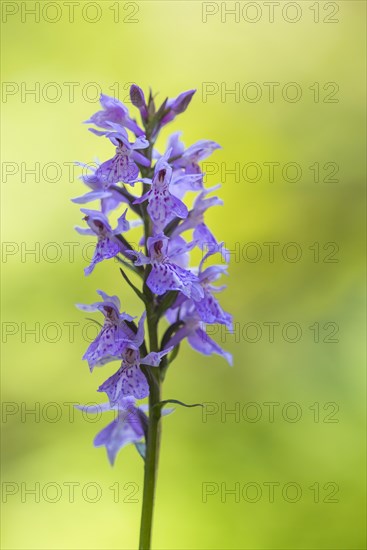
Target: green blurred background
171,49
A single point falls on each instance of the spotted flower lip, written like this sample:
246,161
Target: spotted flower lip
166,275
113,111
115,334
163,206
129,379
122,167
108,246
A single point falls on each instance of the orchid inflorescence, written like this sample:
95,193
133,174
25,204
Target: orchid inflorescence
169,288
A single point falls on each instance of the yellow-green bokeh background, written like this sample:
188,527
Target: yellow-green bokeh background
171,50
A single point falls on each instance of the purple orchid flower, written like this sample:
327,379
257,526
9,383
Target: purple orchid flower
207,306
101,190
176,146
122,167
187,173
182,182
195,220
129,425
197,152
163,206
190,157
114,112
114,335
187,160
129,379
194,330
108,246
166,275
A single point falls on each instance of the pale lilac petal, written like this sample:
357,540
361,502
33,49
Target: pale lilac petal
122,224
114,112
84,230
177,207
154,358
199,151
213,272
105,249
177,338
139,337
95,409
117,434
108,346
201,342
204,236
91,196
113,387
140,143
166,276
107,298
210,310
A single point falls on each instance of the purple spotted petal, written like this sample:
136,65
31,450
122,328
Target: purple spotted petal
210,310
126,381
119,168
163,207
166,276
91,196
134,382
178,207
122,224
204,236
108,346
106,248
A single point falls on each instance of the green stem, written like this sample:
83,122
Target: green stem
153,442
